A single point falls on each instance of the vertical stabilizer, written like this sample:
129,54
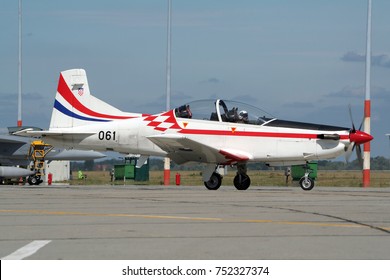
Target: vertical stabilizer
75,106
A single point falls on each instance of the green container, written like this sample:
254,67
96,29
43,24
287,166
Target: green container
142,174
124,171
129,170
298,171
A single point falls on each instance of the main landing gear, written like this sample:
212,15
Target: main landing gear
214,181
241,181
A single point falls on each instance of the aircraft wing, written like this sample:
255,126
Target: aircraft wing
13,147
182,149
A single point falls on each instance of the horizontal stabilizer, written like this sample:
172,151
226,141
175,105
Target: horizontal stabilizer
34,133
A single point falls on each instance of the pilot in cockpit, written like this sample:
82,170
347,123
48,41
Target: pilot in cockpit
243,117
183,112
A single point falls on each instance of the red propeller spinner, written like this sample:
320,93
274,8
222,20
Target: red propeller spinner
359,137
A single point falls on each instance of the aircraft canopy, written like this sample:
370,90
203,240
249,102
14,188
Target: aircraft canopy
223,111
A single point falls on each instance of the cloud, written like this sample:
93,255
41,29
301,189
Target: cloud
359,93
298,104
212,80
246,98
353,57
349,92
158,104
381,60
36,109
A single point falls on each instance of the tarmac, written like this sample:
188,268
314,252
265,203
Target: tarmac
193,223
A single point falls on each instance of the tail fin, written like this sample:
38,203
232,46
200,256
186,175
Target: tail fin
75,106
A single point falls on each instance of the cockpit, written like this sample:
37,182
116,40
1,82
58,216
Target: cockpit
223,111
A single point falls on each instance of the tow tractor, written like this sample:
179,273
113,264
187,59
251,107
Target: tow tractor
37,152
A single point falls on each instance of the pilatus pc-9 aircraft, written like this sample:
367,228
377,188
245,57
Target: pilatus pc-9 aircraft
216,132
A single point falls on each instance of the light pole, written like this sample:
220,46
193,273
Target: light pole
167,161
19,123
388,135
367,103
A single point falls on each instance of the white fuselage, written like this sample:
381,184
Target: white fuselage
274,145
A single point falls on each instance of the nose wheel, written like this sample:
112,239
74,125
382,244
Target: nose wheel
306,182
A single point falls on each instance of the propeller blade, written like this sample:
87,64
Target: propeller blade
350,115
361,124
348,153
359,156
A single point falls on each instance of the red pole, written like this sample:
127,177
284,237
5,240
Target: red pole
366,146
167,172
367,103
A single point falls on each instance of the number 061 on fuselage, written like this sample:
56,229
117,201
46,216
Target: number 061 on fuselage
217,132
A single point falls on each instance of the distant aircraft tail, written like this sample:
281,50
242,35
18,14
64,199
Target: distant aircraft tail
75,106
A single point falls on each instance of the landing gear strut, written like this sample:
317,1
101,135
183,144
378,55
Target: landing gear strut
241,181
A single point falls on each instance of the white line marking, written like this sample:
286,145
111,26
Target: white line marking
27,250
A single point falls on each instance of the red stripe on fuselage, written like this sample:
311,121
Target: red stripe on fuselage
66,93
254,134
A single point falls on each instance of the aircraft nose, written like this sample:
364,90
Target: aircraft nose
360,137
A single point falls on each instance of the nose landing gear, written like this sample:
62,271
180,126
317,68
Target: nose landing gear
306,182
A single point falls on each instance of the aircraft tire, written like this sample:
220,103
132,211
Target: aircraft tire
214,182
34,180
306,183
242,182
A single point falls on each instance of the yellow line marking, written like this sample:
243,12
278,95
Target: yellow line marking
321,224
63,213
66,213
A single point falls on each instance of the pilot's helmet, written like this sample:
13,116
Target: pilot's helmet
243,115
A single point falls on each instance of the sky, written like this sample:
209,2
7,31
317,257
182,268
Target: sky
299,60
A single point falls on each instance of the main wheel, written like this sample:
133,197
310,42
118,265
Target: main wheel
214,182
242,182
306,183
34,180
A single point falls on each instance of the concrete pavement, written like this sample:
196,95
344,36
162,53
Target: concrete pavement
157,222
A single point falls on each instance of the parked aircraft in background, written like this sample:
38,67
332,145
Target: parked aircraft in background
14,151
217,132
